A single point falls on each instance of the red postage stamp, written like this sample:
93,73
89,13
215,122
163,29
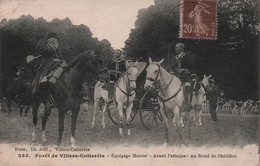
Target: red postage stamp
198,19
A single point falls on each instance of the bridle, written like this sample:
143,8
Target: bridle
166,87
156,78
128,92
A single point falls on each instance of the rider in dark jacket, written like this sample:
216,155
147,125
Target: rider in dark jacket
49,59
183,65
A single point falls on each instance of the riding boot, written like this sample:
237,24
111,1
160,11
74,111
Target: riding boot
55,76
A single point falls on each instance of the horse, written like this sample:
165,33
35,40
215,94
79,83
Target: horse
201,102
171,97
25,98
101,95
65,95
124,92
13,92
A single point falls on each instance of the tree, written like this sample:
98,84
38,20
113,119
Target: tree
231,58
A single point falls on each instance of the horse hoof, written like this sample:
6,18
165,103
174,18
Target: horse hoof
92,126
73,145
182,125
44,141
174,125
59,143
121,132
104,126
165,144
33,140
129,133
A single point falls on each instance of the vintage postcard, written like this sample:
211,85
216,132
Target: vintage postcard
129,82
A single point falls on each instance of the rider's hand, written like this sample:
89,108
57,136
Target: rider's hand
64,64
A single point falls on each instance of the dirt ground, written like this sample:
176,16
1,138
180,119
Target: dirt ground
228,131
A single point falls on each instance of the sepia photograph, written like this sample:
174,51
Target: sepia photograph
129,82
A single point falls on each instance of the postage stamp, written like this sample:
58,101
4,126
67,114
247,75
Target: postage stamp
198,19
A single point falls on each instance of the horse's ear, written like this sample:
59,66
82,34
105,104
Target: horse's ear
209,76
204,75
161,61
140,67
150,60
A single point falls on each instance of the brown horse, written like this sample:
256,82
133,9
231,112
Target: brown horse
65,95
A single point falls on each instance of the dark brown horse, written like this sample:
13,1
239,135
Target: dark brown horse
13,92
65,95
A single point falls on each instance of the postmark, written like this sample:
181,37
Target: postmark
198,19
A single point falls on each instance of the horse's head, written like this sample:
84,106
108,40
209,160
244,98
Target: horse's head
131,73
153,74
205,80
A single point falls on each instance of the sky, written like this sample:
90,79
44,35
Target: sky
107,19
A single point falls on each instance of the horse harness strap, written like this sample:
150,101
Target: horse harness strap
165,100
204,87
127,94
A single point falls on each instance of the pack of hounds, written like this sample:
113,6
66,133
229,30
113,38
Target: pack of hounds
235,107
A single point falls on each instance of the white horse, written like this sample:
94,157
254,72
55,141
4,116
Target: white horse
100,95
125,92
201,97
171,97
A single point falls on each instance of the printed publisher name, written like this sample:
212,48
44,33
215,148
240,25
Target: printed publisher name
72,149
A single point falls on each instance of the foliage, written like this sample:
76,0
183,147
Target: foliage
26,35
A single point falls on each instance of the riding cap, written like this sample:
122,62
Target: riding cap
52,35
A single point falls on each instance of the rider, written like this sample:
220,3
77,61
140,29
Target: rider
51,59
184,66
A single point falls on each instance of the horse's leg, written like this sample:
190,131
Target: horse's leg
35,119
121,116
47,113
74,117
9,106
189,120
178,121
26,110
174,121
128,118
21,109
61,124
96,104
197,109
166,126
105,97
181,121
104,113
